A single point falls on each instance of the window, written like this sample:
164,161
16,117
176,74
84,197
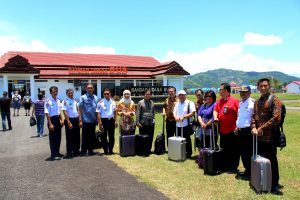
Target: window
158,82
145,83
108,84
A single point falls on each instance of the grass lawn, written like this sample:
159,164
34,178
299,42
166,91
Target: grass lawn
292,104
186,181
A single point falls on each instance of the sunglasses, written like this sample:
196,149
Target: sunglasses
105,93
207,96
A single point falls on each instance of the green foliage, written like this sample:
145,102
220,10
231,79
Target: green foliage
213,78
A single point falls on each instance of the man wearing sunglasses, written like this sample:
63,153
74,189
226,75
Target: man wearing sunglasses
107,118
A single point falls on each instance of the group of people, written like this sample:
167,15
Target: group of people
235,121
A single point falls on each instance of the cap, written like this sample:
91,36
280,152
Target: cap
245,88
5,93
181,92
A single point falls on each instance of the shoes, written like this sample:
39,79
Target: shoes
76,154
10,128
26,114
243,175
54,158
275,190
91,153
68,156
232,171
60,155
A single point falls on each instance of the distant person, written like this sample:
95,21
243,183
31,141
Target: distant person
243,129
225,112
71,112
181,115
27,103
206,119
126,111
264,121
168,109
5,111
199,95
107,119
38,110
145,116
16,99
87,108
55,122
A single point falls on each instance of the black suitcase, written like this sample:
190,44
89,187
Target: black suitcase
127,145
212,158
159,145
142,145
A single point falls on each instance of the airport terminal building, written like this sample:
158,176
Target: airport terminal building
38,71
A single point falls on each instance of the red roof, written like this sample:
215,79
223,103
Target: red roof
56,65
297,82
76,59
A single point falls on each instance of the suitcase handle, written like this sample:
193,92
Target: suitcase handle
254,147
177,131
164,121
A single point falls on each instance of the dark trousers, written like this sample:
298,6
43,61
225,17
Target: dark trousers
170,128
5,115
230,146
109,129
72,136
55,136
147,130
88,137
269,151
187,136
245,140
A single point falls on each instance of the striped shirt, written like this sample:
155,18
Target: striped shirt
39,107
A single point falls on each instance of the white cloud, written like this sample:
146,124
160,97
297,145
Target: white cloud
94,50
230,56
12,43
259,39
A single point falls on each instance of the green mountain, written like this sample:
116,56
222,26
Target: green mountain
213,78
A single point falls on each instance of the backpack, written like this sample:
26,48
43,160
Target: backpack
159,146
280,138
15,98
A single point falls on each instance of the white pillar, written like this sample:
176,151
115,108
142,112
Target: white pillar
134,82
32,87
5,83
99,89
181,83
165,80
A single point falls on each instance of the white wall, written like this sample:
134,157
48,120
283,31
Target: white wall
176,82
293,88
62,85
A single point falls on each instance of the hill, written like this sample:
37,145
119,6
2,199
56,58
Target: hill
213,78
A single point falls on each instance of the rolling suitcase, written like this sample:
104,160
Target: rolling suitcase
142,145
127,145
261,173
200,160
212,157
177,147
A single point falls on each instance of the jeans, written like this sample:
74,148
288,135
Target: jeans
40,124
5,115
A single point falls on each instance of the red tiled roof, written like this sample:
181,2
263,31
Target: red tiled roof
297,82
56,65
75,59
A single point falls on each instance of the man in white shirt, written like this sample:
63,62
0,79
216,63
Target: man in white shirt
184,110
107,118
243,130
55,122
70,108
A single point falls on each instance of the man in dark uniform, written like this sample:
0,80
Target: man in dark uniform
5,111
55,122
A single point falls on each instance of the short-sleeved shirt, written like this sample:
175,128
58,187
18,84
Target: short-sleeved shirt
227,114
39,106
27,99
5,104
206,112
71,106
245,113
88,104
181,109
106,108
53,107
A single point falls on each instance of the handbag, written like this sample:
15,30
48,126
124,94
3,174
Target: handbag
281,141
32,121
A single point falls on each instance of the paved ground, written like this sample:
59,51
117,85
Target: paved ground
25,174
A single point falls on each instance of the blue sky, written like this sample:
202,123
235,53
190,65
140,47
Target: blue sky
200,35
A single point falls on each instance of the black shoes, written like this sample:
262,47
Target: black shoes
275,190
68,156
